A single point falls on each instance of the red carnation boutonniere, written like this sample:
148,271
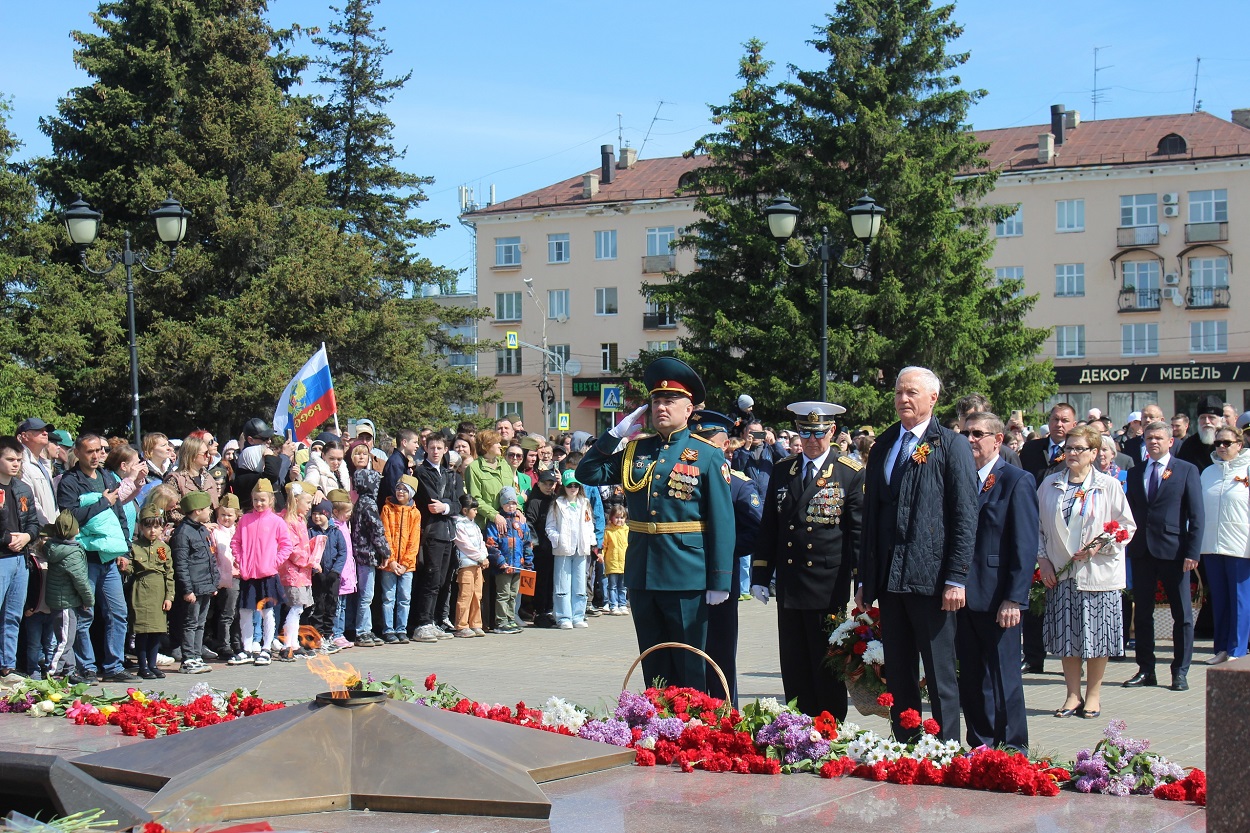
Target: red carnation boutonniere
922,452
1245,481
1167,473
989,484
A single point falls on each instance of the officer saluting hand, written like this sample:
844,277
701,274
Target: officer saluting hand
681,521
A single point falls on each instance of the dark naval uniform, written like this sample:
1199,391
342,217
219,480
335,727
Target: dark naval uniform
809,540
681,540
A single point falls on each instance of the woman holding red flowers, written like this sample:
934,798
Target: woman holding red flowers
1081,557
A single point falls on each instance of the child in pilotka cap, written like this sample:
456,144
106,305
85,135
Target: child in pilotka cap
151,589
195,575
401,521
327,582
341,505
510,552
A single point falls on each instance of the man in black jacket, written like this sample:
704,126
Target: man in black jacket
920,521
438,500
19,528
1044,455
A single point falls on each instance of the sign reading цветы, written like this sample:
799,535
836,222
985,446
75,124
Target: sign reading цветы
1153,374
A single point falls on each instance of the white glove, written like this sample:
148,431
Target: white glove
760,592
623,428
715,597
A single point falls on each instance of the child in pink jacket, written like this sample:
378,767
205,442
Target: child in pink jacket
261,543
296,572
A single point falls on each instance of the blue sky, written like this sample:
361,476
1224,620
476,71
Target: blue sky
521,95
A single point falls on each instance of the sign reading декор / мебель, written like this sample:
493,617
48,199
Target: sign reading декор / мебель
1159,374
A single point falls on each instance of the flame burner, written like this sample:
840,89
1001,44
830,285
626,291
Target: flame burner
359,752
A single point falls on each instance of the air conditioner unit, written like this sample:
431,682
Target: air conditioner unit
1170,292
1172,278
1171,210
1171,199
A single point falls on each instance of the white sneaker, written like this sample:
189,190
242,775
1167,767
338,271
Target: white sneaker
165,661
565,626
1222,656
581,624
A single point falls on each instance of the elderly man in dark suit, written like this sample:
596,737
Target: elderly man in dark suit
920,519
1165,496
988,637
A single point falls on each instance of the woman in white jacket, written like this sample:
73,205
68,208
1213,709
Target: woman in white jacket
326,469
1083,619
1226,543
572,532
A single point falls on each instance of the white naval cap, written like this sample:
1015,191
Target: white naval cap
814,413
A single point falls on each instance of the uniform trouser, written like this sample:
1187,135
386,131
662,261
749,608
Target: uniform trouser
1034,646
110,603
805,675
195,615
436,562
990,686
722,644
596,586
913,627
1148,572
1230,602
671,616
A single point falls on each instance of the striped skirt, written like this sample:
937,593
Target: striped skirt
1083,623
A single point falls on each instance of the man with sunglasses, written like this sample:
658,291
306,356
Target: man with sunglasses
808,541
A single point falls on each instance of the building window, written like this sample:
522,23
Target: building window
1208,336
1139,210
507,362
661,346
1139,339
1013,226
1142,276
507,306
1069,280
605,245
605,300
507,251
503,409
1070,215
555,365
558,304
608,360
660,240
1122,403
657,316
1002,274
1172,144
557,248
1070,341
1208,206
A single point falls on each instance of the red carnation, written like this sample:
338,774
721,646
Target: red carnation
928,774
903,771
1171,792
958,772
909,719
886,699
859,647
1121,536
644,757
931,727
1110,526
874,612
430,682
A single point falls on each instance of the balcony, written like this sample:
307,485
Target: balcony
1137,236
659,321
1206,232
1139,300
655,264
1206,297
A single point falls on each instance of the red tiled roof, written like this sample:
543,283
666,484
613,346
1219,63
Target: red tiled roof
648,179
1117,142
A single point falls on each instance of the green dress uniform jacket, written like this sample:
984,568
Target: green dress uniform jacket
152,565
681,515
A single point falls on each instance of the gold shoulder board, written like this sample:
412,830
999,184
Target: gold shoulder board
851,463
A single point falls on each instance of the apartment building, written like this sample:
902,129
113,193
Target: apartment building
1127,229
563,267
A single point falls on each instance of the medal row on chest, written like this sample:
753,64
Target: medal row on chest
825,506
682,481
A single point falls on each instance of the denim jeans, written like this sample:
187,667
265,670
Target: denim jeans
14,576
396,599
364,598
616,591
340,616
569,580
110,603
41,629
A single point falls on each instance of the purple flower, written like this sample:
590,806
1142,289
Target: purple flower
1120,786
1164,771
774,733
615,732
1084,784
669,728
634,709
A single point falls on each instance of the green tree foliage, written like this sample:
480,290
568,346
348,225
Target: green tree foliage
193,97
885,115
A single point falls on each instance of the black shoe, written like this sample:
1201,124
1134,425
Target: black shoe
158,673
1029,668
390,639
1078,709
1179,683
78,679
402,638
1141,678
118,677
146,674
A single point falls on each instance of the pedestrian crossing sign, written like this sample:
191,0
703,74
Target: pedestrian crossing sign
514,341
611,397
564,422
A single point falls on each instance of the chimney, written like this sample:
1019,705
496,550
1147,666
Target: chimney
1056,122
629,156
608,155
590,186
1242,117
1045,147
1072,119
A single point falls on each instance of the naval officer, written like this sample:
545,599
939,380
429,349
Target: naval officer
809,542
681,543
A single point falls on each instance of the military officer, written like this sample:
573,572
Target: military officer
681,542
808,541
722,622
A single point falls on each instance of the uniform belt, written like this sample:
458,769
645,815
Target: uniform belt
648,528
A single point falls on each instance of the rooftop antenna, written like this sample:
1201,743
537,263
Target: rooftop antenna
1096,95
620,131
651,126
1197,65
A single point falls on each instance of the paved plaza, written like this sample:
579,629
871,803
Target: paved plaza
588,667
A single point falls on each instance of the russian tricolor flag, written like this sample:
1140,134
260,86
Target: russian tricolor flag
308,400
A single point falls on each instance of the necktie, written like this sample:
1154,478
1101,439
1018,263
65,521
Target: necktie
904,452
1154,480
1056,451
809,474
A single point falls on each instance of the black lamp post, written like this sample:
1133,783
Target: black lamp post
82,222
866,218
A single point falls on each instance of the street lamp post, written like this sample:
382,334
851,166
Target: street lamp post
544,388
866,218
82,222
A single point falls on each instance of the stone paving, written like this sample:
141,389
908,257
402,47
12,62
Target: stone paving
588,667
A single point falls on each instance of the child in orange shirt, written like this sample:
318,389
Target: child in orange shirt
401,523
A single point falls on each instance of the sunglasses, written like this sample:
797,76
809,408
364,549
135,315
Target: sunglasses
805,434
1226,443
1076,449
977,434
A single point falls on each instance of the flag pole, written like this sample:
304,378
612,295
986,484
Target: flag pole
337,430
